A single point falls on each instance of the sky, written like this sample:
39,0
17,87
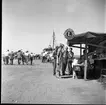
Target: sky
29,24
105,16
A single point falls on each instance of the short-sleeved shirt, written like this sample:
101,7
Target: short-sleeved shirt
70,55
19,55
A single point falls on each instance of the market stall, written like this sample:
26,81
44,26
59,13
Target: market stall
95,46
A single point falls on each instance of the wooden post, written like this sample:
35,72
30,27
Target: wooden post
80,50
85,66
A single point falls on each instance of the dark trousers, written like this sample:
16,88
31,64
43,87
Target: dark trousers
64,65
70,66
43,58
31,60
26,59
54,66
23,60
11,61
4,60
7,60
19,61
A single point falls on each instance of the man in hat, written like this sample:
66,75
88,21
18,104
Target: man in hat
59,59
70,60
64,60
54,60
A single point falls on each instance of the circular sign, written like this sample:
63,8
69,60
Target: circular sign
69,33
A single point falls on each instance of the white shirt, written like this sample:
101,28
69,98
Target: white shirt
51,54
75,61
26,54
31,55
6,53
44,53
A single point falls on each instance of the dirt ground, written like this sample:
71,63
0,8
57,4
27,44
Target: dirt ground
36,84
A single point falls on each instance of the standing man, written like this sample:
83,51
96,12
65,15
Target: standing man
19,57
7,57
26,57
70,60
54,60
23,58
64,60
31,58
4,60
11,55
59,59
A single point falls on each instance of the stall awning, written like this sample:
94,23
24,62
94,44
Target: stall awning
90,37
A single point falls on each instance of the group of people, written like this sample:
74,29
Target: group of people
21,56
46,56
63,57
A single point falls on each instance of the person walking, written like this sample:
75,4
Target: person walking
70,60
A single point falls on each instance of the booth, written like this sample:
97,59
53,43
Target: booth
95,49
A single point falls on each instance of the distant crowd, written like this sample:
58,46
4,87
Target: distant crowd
21,56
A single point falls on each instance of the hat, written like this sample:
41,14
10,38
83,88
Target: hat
61,45
70,48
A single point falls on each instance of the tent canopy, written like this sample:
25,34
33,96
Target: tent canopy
90,37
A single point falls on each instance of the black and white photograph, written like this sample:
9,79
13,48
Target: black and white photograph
53,52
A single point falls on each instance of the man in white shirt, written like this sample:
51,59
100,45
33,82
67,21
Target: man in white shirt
7,57
31,58
26,56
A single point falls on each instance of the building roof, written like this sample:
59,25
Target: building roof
90,37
